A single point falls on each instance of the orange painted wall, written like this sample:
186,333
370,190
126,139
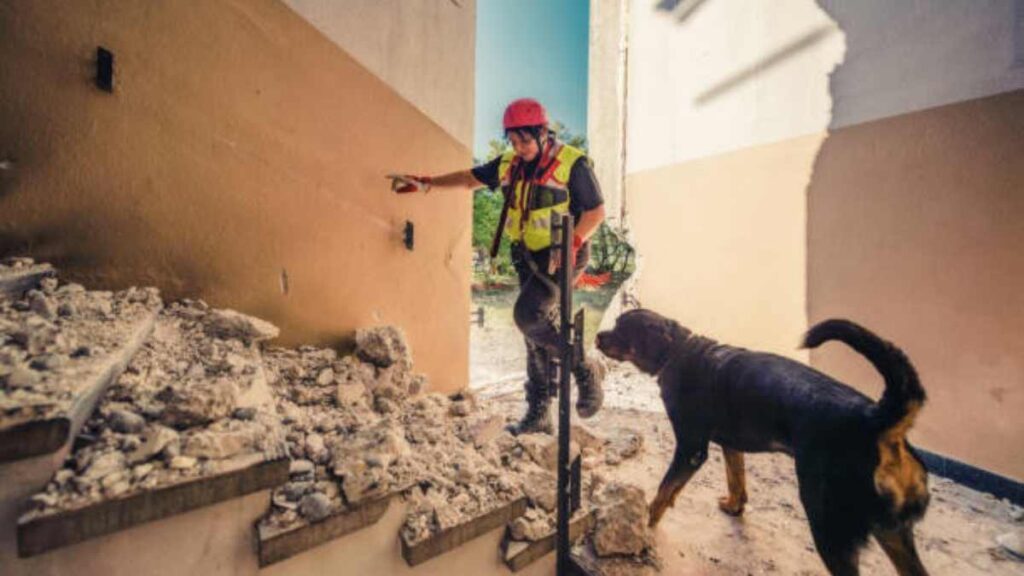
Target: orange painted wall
239,143
916,230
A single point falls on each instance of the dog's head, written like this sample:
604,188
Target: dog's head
642,337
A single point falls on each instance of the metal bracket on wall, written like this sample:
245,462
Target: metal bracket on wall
408,235
104,69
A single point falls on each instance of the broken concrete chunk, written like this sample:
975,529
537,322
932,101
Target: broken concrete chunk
621,527
486,429
227,324
197,403
155,440
183,463
383,346
126,422
531,526
543,449
315,507
217,444
350,395
623,443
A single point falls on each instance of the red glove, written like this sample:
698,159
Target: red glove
577,243
406,183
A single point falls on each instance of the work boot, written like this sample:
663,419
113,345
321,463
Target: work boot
538,417
589,376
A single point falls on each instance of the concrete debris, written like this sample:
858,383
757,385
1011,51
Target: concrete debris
315,507
54,341
169,416
126,422
623,444
228,324
621,527
383,346
203,393
532,526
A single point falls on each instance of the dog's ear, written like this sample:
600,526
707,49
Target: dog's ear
656,341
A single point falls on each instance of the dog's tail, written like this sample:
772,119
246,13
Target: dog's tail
903,394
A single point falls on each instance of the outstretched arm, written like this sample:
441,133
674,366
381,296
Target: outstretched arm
459,179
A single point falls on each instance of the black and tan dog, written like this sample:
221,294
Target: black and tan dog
857,473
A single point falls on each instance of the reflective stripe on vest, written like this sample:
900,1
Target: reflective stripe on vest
541,199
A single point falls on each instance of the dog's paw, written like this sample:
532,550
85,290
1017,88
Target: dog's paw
730,506
657,510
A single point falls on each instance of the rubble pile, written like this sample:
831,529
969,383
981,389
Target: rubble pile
188,405
57,339
203,396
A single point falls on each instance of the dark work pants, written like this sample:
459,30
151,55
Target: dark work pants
536,312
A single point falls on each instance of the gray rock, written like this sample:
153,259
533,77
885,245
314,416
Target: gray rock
247,413
315,507
126,422
156,440
226,324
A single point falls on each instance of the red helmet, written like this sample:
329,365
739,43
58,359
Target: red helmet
524,112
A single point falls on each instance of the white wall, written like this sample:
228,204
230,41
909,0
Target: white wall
424,49
735,73
606,98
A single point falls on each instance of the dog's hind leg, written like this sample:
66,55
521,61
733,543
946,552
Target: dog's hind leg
736,477
898,544
686,462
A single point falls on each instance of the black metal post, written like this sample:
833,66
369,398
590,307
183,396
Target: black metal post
564,247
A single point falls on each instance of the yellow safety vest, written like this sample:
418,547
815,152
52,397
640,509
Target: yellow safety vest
540,198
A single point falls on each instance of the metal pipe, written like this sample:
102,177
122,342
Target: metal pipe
564,473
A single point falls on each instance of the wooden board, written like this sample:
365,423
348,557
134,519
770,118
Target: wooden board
278,545
457,535
51,426
527,553
40,534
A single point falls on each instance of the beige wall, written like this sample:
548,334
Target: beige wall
239,143
722,243
424,49
916,230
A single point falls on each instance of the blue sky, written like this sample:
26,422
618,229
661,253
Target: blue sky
535,48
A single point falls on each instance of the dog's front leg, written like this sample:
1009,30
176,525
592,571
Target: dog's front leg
736,477
686,461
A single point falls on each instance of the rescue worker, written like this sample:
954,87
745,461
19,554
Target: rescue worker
541,178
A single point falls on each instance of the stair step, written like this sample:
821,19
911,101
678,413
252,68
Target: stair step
245,475
277,544
42,428
457,535
14,282
518,555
